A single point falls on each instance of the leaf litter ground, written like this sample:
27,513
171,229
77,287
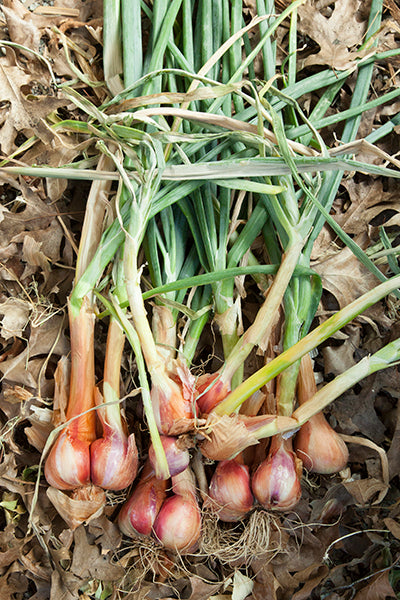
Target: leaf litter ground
343,539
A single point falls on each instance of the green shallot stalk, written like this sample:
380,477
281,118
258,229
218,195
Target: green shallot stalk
211,398
306,344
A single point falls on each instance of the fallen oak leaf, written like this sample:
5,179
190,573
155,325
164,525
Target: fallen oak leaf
379,588
344,276
335,35
23,115
89,563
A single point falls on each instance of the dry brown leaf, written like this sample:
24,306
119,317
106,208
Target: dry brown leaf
336,35
200,589
338,358
368,203
356,412
344,276
311,578
88,562
363,490
82,506
46,337
41,427
378,589
16,313
13,583
10,546
393,526
23,115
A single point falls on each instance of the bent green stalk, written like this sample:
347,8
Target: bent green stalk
310,341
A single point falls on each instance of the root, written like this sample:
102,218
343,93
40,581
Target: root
256,537
146,562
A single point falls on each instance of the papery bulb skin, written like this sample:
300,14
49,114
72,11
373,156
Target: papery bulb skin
229,491
208,399
177,455
178,524
114,460
276,482
172,410
140,511
68,463
320,448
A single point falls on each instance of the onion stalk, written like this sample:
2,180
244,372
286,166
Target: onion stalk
68,463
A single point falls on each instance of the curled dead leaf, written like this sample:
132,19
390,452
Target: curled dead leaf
228,436
84,504
363,490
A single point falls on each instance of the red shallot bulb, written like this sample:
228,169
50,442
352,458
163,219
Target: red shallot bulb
172,408
176,453
229,492
140,511
113,459
68,463
319,447
276,483
178,524
211,389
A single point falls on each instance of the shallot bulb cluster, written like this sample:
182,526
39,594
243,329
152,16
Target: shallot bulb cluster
78,458
173,519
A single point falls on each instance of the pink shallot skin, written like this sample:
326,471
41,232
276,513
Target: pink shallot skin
178,524
320,448
229,491
113,459
178,457
68,463
169,403
276,482
218,390
141,509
